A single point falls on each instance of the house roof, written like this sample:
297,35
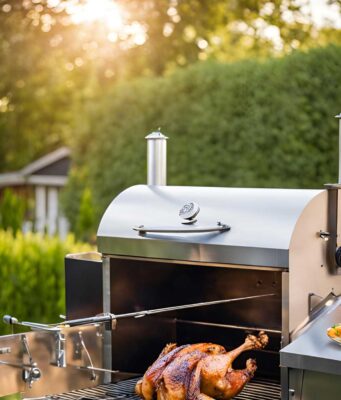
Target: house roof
46,160
49,170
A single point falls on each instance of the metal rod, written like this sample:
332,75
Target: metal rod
15,365
226,326
39,327
54,327
89,368
140,314
8,319
107,317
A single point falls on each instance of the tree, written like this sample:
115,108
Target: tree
39,91
152,36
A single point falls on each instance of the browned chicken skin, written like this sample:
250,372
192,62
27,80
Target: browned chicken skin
146,387
201,371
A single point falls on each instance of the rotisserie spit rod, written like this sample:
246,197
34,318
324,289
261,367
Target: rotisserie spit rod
108,317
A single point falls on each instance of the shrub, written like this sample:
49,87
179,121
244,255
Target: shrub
12,210
85,220
32,276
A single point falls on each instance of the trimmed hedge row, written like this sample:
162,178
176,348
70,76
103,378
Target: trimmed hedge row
32,276
250,124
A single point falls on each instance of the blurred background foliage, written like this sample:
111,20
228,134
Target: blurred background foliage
32,269
245,89
249,124
12,209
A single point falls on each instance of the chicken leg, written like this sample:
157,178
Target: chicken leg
214,376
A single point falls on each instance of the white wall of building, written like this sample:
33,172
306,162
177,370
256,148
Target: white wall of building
48,217
52,210
40,209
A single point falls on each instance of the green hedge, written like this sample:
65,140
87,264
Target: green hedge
250,124
12,210
32,276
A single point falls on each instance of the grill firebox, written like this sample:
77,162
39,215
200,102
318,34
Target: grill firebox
134,285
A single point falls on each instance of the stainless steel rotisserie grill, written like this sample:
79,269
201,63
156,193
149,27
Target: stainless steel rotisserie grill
162,246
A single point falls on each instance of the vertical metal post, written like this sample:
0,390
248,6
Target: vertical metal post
339,118
285,339
156,159
107,345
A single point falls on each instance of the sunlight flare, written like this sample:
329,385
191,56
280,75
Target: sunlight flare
104,11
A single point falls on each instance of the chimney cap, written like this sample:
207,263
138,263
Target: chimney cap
156,135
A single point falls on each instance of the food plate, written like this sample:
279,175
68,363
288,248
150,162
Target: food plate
334,333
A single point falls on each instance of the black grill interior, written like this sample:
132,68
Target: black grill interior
140,285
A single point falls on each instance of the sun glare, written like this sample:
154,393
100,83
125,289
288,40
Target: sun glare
110,16
104,11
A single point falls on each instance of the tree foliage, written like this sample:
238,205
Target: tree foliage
12,210
86,217
252,124
38,95
51,64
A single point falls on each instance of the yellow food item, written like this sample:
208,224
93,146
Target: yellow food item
334,331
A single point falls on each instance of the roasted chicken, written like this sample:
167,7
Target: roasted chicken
201,371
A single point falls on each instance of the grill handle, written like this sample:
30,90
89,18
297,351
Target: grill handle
220,227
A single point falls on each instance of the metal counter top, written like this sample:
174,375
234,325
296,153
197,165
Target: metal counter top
313,350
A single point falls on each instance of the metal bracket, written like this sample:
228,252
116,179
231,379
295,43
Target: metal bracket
310,298
31,372
60,350
93,375
324,235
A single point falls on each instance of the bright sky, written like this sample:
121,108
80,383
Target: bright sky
321,11
112,15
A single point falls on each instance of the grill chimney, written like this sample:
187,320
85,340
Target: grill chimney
156,159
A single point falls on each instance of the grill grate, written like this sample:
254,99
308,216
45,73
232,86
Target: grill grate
258,389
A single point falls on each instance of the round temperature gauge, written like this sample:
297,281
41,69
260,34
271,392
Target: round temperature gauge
189,210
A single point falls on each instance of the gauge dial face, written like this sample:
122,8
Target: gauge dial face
189,210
